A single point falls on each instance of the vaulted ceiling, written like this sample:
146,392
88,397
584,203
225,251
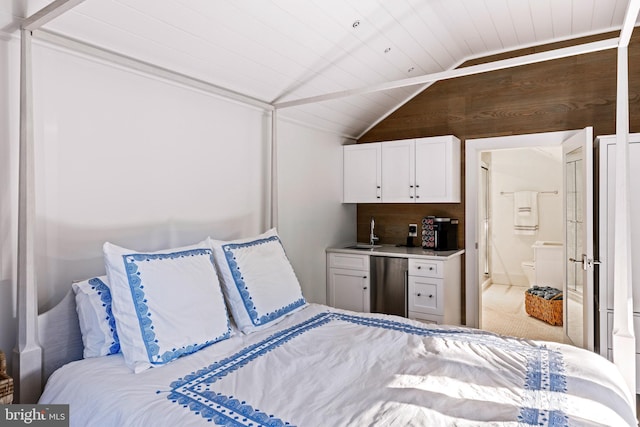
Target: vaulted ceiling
283,50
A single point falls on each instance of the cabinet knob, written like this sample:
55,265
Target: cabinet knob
411,197
419,267
418,294
365,288
378,187
430,296
411,186
417,186
364,277
417,197
377,197
430,268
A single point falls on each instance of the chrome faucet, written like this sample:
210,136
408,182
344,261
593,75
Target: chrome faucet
372,236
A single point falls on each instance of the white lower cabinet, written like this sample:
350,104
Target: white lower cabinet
432,286
434,291
348,282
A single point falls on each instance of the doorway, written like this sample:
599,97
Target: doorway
509,256
566,141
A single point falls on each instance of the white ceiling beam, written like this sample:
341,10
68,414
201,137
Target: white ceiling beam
460,72
630,18
145,67
48,13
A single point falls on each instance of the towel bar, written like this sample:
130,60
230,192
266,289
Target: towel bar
502,193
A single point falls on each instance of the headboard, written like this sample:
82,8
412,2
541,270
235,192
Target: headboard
59,335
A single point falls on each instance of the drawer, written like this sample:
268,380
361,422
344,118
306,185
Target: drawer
349,261
426,295
636,328
426,268
426,318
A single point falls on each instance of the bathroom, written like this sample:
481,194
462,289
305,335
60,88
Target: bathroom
510,252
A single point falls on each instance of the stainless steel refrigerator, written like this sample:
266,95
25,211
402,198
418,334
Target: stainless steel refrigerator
389,285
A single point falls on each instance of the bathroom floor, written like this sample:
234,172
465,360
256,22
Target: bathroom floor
503,313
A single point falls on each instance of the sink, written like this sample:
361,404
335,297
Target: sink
363,246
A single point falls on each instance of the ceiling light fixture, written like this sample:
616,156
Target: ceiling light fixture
411,69
356,23
387,50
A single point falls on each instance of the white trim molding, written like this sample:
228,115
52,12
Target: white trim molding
27,357
624,341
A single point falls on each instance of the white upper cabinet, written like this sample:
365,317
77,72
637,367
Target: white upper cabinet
437,170
398,171
362,173
422,170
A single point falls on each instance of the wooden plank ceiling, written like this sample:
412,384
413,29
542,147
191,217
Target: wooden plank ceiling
281,50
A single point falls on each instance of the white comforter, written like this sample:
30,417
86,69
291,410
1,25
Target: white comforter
328,367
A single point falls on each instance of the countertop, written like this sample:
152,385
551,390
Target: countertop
399,251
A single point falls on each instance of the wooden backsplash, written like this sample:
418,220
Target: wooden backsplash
563,94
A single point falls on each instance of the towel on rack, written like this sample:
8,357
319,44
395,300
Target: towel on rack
525,212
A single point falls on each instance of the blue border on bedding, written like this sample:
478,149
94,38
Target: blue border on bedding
245,293
102,289
545,372
136,285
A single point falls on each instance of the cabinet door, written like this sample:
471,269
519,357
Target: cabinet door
362,173
437,169
349,290
426,295
398,171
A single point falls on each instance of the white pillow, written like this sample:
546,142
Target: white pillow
97,324
258,281
167,303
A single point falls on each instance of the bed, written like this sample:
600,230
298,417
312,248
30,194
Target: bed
271,358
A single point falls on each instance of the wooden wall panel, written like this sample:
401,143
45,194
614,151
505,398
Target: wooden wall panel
563,94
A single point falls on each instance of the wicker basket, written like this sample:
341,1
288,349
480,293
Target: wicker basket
6,382
549,310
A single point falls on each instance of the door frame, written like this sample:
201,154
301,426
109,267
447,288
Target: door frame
473,149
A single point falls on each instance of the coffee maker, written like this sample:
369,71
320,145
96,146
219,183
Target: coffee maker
439,234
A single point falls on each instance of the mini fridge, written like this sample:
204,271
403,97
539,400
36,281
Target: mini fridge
389,281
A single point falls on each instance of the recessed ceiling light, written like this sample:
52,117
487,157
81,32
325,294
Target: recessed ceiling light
387,50
355,23
411,69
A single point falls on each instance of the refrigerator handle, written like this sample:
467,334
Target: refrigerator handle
406,293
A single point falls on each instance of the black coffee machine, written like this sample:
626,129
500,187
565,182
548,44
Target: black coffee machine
439,234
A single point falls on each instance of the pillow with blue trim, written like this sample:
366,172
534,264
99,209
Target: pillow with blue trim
258,281
166,303
97,324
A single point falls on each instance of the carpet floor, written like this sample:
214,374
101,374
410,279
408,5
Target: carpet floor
503,312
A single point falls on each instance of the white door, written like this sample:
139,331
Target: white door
578,240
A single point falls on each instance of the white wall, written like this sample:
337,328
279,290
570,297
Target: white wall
311,214
535,169
137,161
148,164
